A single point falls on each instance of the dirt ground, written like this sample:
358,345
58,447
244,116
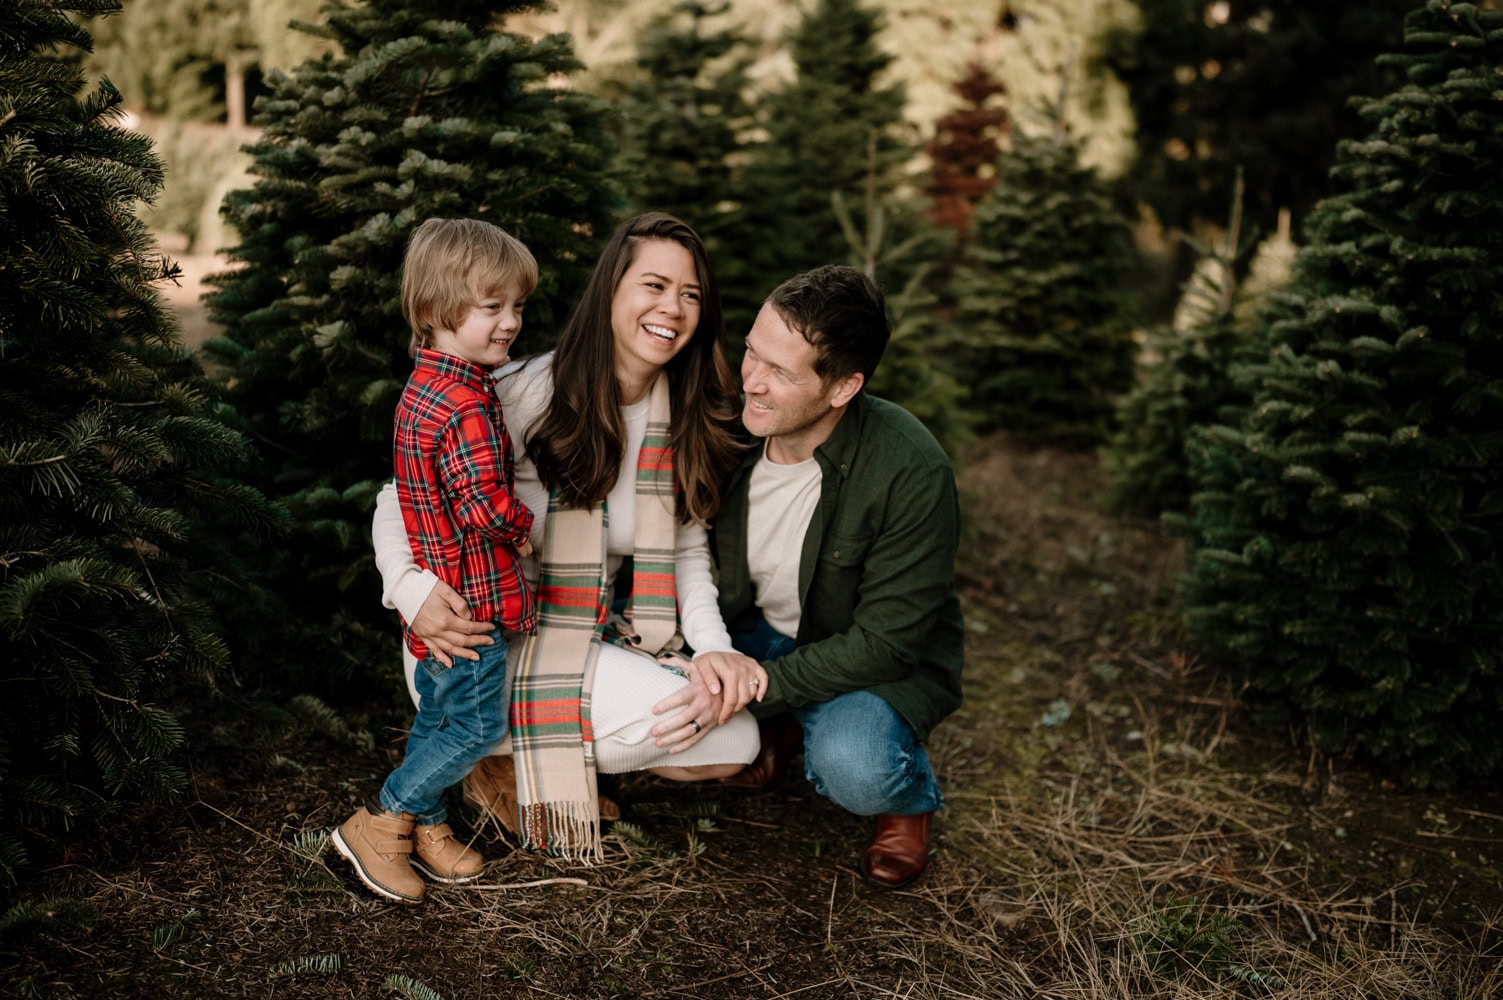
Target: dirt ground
1116,826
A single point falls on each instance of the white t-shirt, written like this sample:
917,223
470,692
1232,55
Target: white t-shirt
780,501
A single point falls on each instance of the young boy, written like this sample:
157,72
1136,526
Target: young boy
463,286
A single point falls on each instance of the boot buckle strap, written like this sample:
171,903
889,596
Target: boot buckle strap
396,845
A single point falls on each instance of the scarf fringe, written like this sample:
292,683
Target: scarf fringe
573,826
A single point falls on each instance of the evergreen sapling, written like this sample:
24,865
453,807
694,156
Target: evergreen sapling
1349,528
120,517
424,109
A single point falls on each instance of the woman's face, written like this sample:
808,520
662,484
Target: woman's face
655,308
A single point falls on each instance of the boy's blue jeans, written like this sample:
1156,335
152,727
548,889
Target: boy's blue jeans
460,720
858,751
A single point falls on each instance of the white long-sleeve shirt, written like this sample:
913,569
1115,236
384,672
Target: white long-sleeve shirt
524,392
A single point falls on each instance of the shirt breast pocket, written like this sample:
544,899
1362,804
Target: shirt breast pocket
845,551
830,605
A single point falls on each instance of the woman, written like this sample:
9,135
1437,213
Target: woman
624,434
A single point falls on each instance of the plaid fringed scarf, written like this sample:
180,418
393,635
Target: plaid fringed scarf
550,704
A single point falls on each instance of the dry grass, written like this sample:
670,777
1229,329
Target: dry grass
1115,827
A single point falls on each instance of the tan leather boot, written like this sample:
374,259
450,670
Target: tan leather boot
379,844
492,786
439,856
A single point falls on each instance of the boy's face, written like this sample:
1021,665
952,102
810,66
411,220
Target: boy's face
485,335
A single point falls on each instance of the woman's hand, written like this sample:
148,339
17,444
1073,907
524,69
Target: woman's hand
443,622
737,678
688,713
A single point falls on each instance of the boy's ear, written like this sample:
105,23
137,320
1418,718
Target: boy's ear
426,322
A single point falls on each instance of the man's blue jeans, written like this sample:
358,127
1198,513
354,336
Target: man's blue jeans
858,751
460,720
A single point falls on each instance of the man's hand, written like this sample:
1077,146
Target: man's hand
694,712
443,623
737,678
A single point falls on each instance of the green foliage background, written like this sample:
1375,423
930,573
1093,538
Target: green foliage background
1349,527
423,109
122,517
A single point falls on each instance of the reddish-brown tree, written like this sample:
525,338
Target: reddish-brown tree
964,151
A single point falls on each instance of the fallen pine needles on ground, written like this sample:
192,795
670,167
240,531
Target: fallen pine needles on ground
1116,826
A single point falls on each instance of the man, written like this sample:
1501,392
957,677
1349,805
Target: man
836,547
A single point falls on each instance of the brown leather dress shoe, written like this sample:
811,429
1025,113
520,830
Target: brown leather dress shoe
899,853
782,739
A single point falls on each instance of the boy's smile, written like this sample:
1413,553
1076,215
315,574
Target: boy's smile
485,335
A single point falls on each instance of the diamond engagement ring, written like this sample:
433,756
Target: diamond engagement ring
754,683
696,725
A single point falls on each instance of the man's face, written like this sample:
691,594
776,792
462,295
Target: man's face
784,397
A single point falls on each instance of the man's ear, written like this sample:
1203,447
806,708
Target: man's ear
846,389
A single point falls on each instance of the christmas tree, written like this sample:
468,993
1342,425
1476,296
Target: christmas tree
1187,381
684,117
1349,529
822,132
1041,301
963,154
118,523
426,109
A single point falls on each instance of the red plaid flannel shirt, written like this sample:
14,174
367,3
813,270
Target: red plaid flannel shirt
454,480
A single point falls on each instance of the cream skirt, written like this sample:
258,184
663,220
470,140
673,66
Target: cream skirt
627,685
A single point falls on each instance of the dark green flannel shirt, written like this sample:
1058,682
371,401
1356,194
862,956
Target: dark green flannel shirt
876,574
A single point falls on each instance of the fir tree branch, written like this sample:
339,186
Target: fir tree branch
422,93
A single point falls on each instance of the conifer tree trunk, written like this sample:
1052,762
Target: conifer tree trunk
234,92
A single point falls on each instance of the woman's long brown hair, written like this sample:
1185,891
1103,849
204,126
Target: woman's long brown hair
577,444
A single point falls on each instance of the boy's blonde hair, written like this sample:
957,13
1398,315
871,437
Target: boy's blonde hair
450,264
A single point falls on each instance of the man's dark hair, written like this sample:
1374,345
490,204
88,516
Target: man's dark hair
842,313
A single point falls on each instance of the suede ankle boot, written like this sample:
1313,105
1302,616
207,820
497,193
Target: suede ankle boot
439,856
379,845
